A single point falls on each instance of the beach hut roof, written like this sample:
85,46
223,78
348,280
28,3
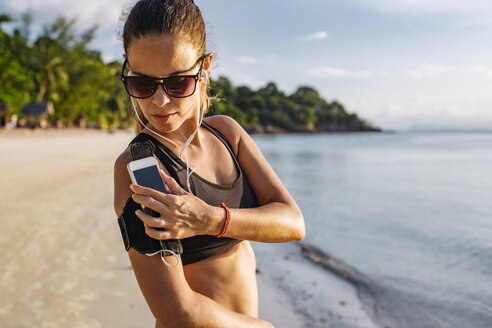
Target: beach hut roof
37,108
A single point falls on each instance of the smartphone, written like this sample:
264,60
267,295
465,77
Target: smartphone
145,172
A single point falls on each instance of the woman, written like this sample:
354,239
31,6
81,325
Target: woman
213,283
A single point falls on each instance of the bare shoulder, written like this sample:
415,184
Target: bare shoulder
265,183
123,159
224,123
228,126
122,180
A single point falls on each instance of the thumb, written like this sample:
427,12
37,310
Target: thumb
171,184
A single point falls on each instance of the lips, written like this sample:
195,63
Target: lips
163,118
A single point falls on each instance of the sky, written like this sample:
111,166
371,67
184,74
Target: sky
399,64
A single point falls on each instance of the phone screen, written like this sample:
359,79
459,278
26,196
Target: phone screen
150,177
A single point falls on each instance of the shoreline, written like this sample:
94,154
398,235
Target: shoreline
271,131
294,292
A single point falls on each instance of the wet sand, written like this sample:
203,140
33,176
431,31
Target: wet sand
62,258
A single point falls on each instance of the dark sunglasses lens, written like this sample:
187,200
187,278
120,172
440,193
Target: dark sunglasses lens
179,86
140,87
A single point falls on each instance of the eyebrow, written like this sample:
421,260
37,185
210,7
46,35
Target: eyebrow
174,73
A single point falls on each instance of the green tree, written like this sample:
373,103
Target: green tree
47,61
16,79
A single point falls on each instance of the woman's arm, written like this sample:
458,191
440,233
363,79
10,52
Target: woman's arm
277,219
170,298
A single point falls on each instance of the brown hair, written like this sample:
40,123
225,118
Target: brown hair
179,18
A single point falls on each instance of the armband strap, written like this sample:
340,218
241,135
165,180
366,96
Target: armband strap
142,149
124,232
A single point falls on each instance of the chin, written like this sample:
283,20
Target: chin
166,126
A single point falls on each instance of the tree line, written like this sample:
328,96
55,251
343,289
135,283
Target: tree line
58,66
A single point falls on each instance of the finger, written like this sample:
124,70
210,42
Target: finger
151,221
172,185
149,192
138,189
158,234
160,206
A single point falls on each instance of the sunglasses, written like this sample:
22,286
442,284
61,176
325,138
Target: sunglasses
176,86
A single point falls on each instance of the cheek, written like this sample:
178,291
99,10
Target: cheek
192,104
141,106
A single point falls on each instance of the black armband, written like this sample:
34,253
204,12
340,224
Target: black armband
133,233
132,228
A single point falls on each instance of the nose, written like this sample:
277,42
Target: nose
160,97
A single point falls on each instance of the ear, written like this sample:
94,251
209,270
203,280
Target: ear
207,62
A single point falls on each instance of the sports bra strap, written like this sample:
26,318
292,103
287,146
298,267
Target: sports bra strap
224,140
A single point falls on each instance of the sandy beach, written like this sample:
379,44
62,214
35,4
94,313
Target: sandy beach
62,258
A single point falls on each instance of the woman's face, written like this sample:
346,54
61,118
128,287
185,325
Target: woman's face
160,56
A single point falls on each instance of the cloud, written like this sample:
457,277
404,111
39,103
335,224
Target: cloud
427,71
457,6
247,60
423,113
316,36
464,14
88,13
476,20
264,59
481,69
335,72
105,14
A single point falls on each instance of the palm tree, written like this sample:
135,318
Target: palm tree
48,63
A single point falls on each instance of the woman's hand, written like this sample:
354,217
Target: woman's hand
182,214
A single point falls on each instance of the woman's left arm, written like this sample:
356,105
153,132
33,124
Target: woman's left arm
277,219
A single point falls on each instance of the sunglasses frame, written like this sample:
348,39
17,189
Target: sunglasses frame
196,77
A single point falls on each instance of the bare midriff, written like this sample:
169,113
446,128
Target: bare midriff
228,278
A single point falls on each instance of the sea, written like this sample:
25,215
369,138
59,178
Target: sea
410,212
